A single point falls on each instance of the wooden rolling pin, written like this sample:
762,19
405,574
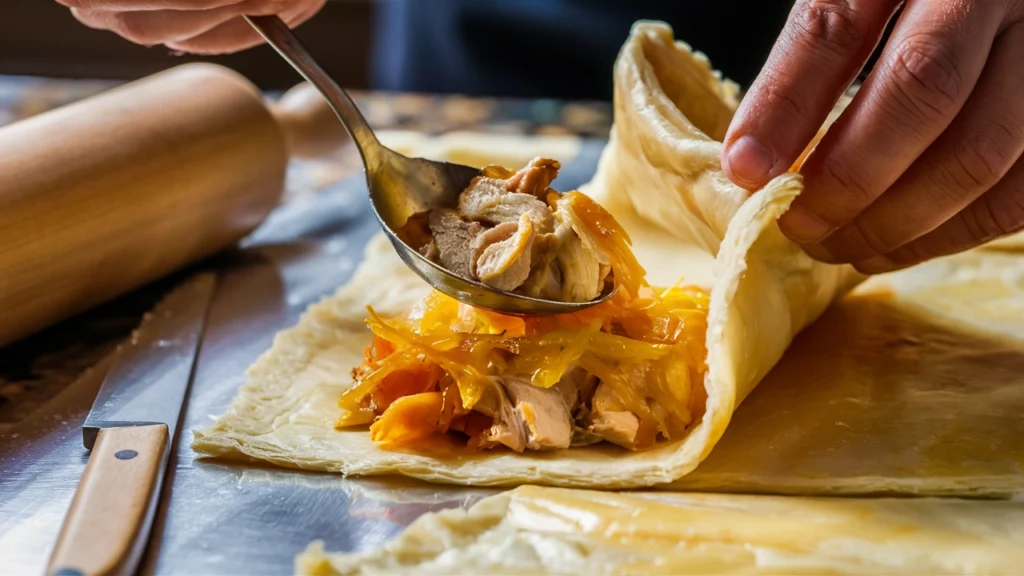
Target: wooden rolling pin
107,194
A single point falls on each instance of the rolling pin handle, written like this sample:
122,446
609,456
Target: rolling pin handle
309,125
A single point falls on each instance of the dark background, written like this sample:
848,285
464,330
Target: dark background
42,38
522,48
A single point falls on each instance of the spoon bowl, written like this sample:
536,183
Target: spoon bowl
401,187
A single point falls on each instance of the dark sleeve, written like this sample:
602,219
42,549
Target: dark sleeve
553,48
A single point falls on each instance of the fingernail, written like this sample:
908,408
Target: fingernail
875,265
749,162
802,226
819,253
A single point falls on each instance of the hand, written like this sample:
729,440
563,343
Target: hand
196,26
926,160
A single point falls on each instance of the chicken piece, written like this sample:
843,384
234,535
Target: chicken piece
545,280
504,255
491,236
610,419
473,424
487,200
577,387
586,267
616,427
506,428
543,412
430,251
582,437
535,178
454,238
566,215
581,270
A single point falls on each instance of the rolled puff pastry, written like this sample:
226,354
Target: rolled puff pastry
660,167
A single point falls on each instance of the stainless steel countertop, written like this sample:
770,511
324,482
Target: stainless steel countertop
233,518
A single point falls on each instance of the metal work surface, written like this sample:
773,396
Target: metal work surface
233,518
149,385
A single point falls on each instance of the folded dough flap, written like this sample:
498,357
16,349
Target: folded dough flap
556,531
662,167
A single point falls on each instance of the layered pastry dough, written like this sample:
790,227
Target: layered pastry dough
902,387
661,166
534,530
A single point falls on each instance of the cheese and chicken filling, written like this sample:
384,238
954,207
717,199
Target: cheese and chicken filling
628,371
512,232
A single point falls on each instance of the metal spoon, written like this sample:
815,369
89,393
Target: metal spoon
401,187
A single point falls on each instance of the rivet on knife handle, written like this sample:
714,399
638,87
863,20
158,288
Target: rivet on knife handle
114,502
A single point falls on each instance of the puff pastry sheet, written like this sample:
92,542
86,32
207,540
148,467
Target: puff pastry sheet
670,109
534,530
910,384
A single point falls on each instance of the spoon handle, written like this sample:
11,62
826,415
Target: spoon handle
281,38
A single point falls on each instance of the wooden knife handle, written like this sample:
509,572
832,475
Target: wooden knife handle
108,522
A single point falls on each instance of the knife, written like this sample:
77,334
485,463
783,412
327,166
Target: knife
129,432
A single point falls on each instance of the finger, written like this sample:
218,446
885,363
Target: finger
818,54
141,5
237,34
154,27
974,153
923,77
232,36
998,212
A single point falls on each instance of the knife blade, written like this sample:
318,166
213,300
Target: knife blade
148,385
129,432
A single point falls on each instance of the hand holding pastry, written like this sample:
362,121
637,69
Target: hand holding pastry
926,160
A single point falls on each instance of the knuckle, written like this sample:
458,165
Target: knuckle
980,161
855,185
1004,135
829,24
949,184
1006,212
904,256
855,242
988,219
979,223
910,253
983,155
869,239
133,27
926,71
